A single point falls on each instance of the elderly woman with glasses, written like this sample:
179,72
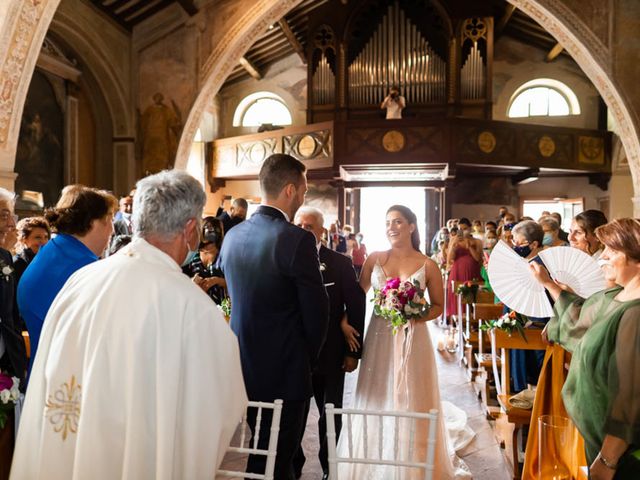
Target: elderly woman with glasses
602,391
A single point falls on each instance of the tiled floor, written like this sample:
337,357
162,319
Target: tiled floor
484,457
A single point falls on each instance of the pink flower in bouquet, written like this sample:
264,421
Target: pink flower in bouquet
394,283
5,382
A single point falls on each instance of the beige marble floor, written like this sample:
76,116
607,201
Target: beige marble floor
484,457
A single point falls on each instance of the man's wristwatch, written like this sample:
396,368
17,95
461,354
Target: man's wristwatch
607,463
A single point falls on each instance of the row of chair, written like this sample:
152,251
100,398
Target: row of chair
379,422
485,368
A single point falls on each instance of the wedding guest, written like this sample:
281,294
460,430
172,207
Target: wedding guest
338,355
359,254
202,269
117,243
463,261
551,229
554,373
141,355
526,364
490,227
502,211
122,218
350,239
562,235
477,230
236,215
33,233
83,221
337,239
602,389
582,233
280,306
13,357
506,233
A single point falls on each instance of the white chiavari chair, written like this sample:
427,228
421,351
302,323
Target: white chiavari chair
385,421
252,448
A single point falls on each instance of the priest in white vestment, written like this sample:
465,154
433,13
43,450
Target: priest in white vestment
137,374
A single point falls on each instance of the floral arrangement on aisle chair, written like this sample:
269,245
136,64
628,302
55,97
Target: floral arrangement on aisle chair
509,322
468,290
9,394
399,302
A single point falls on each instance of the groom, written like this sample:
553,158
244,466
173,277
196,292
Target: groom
346,298
279,306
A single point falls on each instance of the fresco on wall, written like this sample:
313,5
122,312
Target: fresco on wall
39,158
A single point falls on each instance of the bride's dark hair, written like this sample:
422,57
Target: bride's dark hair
411,218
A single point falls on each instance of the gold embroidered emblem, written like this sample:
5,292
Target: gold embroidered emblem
63,408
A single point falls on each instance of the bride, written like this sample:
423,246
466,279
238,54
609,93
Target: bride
398,372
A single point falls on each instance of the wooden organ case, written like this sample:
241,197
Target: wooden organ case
357,50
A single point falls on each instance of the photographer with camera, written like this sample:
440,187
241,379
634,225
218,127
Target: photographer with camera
394,103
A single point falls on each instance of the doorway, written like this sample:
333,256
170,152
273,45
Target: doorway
566,207
374,202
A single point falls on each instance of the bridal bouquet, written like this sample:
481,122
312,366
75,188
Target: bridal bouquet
509,322
9,394
398,302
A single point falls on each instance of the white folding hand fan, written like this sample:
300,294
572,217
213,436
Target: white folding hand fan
575,269
514,284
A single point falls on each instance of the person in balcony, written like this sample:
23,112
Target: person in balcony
394,103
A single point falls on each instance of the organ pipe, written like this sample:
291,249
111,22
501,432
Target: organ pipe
324,83
472,75
397,54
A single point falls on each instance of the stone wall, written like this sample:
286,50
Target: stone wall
286,78
516,63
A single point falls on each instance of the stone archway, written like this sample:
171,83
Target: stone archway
554,15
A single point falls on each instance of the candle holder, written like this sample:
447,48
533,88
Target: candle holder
451,342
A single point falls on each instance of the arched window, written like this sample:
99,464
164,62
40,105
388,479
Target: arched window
260,108
543,97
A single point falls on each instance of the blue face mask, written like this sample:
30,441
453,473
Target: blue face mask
191,254
523,250
547,240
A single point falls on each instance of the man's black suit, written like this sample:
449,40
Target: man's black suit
279,311
15,355
228,222
345,296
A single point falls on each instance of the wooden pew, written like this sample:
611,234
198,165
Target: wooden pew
500,340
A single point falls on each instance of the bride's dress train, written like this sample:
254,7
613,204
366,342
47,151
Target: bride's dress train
398,372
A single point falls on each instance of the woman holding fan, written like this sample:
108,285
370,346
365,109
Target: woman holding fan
548,400
602,390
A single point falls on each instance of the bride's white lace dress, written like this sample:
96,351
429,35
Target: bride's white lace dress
398,372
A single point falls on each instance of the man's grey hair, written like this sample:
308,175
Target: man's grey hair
306,210
530,230
165,202
7,196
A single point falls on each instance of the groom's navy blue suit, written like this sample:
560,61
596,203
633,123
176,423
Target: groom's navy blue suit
280,315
